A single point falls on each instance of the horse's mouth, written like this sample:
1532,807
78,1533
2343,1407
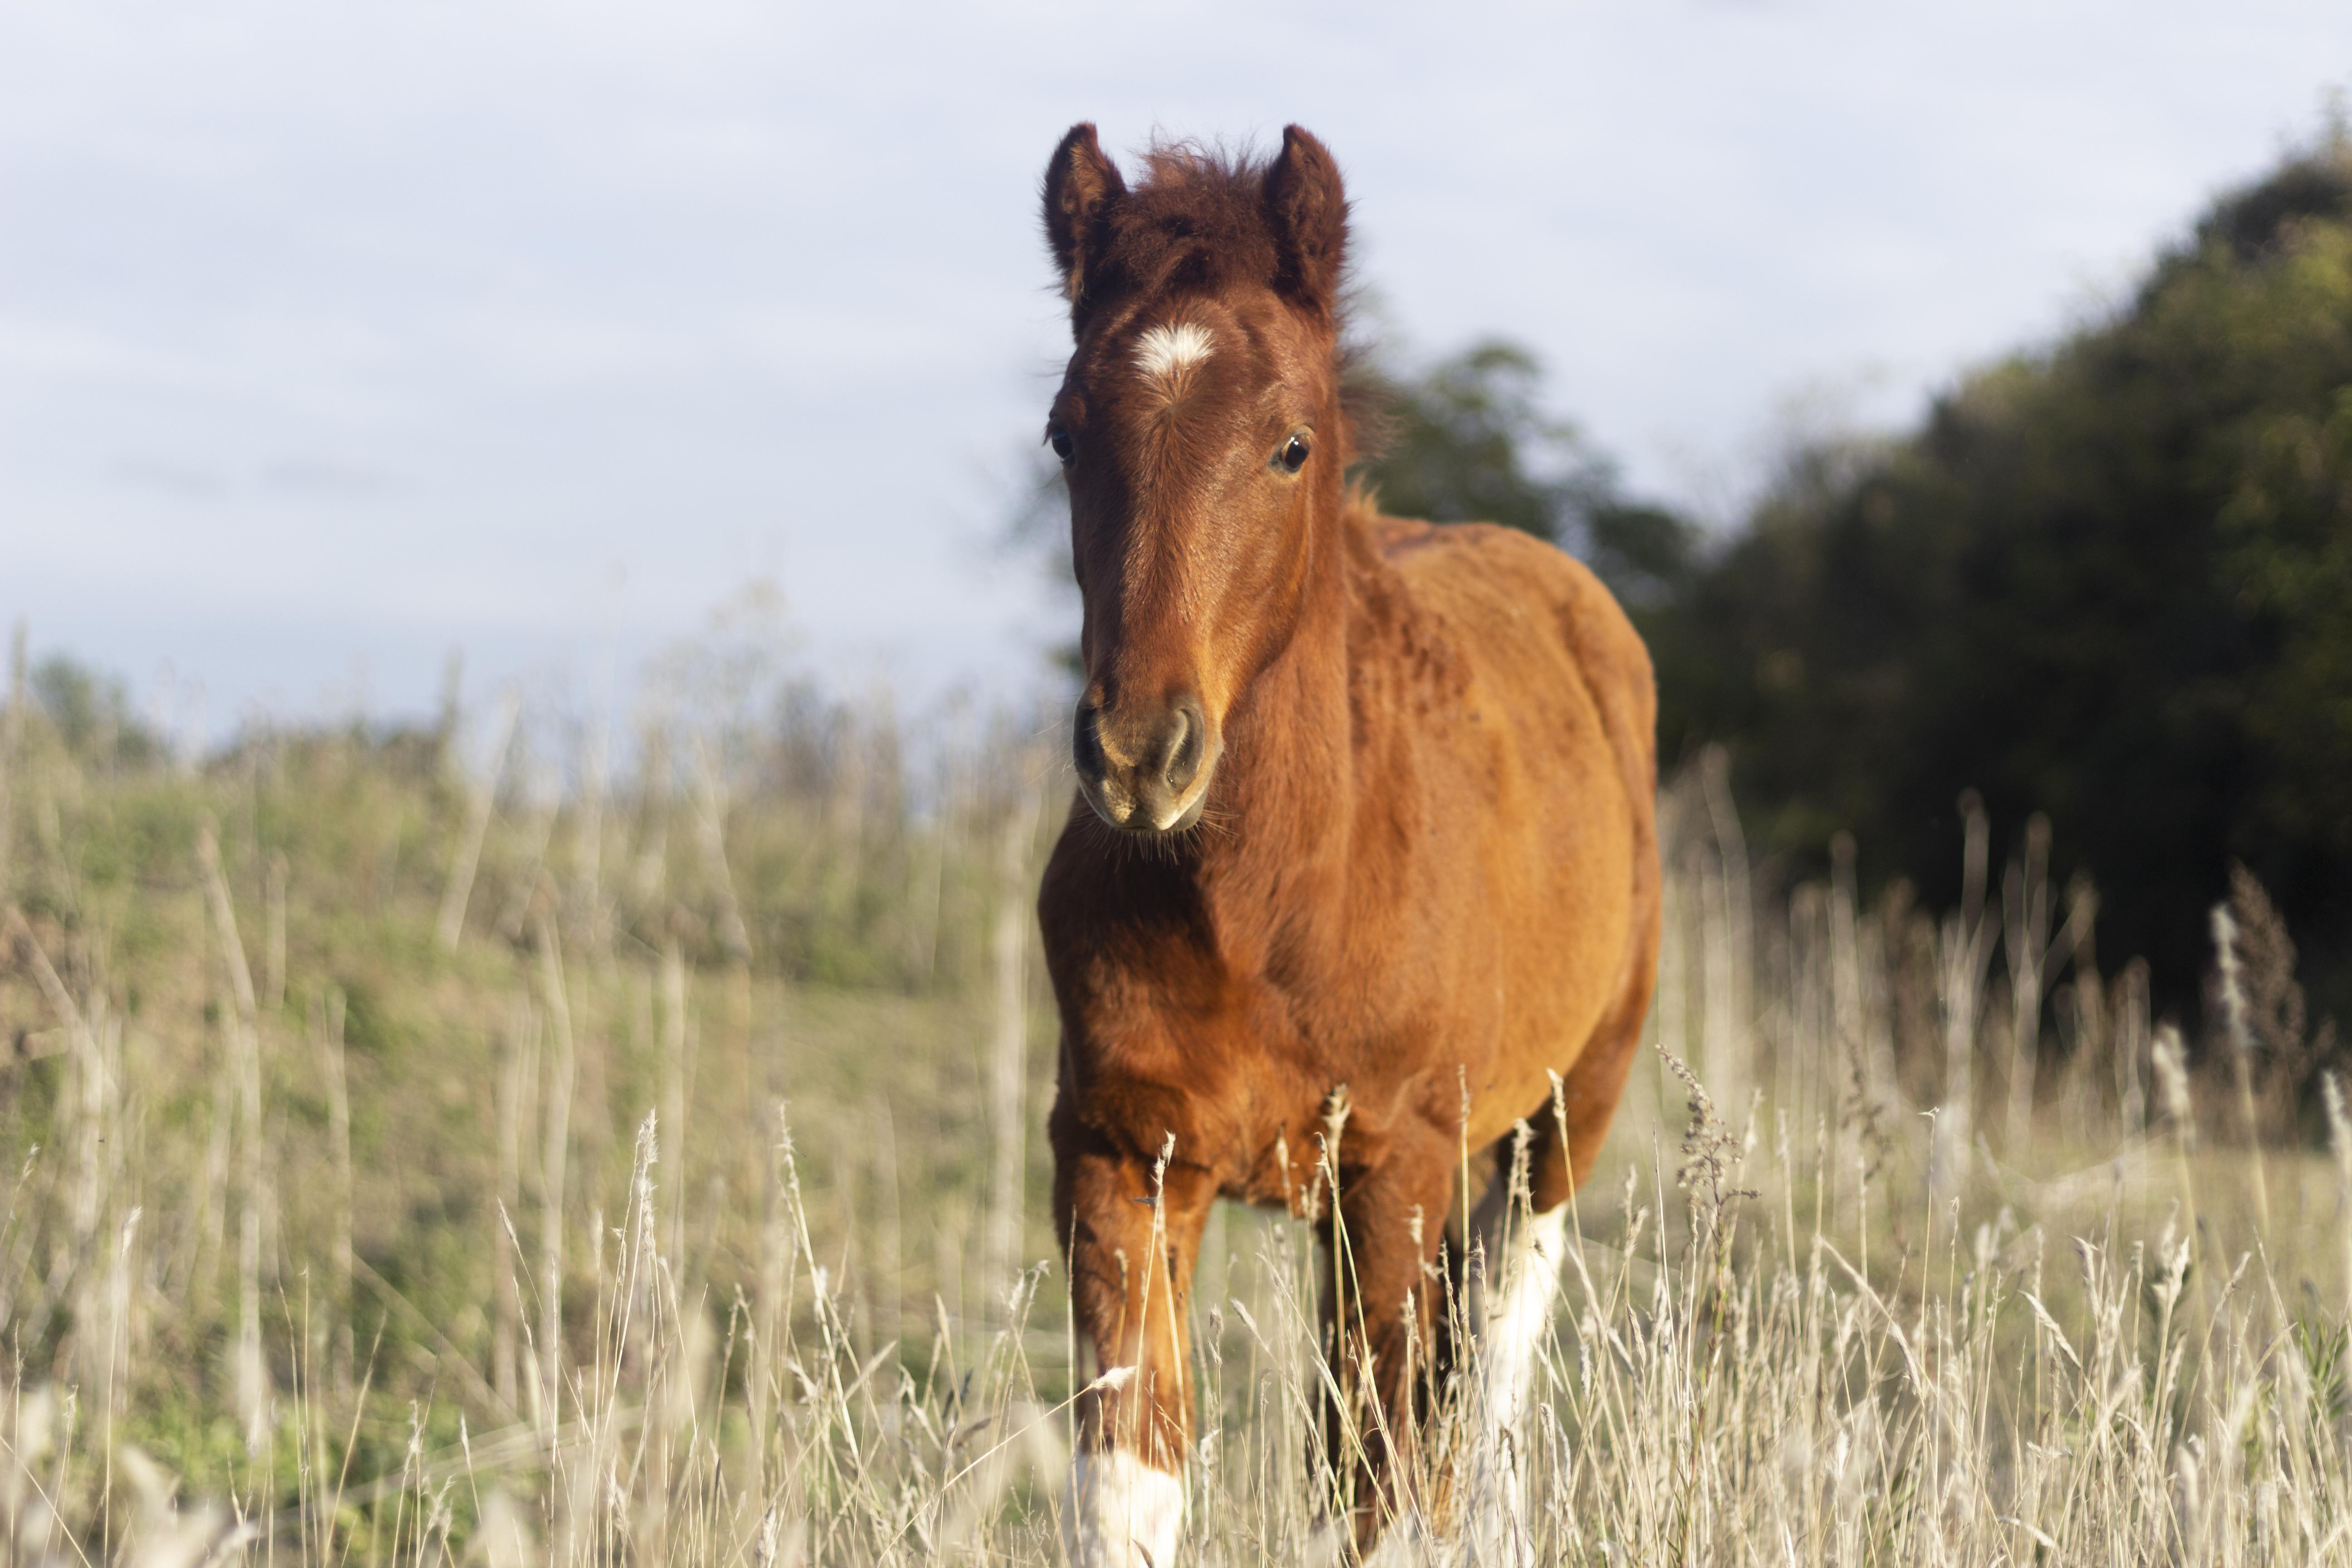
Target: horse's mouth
1121,811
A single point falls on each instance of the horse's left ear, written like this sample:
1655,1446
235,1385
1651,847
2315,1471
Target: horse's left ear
1081,185
1307,211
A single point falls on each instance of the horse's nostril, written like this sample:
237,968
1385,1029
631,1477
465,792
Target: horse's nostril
1138,763
1187,742
1085,745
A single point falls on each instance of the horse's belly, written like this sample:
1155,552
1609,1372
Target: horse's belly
1559,861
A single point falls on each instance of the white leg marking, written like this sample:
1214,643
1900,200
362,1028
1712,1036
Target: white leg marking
1325,1547
1520,1314
1405,1543
1517,1317
1122,1513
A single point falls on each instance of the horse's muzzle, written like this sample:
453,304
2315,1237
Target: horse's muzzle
1145,768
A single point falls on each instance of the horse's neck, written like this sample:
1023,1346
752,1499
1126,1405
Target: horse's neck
1282,844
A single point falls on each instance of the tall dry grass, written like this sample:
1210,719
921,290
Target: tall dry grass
444,1146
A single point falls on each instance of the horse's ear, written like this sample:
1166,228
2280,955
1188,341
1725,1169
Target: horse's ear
1080,186
1307,211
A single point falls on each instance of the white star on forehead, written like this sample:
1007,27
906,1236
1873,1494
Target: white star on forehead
1165,353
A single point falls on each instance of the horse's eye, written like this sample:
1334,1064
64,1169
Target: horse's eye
1059,439
1293,456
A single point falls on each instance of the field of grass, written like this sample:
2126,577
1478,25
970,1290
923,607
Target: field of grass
439,1146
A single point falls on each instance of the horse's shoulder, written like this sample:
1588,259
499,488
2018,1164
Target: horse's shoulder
1504,593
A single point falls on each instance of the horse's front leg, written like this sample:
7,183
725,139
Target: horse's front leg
1380,1305
1131,1232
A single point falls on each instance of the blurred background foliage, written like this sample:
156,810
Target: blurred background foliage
1468,440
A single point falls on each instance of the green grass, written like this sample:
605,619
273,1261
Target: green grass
650,1222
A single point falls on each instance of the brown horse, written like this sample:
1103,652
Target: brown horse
1365,853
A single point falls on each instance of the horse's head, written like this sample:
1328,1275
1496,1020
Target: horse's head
1200,428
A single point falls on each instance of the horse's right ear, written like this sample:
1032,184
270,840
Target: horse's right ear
1080,186
1307,212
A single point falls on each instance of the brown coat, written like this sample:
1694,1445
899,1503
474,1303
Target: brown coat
1366,804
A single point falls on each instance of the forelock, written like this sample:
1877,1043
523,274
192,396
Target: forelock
1196,223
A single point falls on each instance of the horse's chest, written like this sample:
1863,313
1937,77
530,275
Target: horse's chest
1245,1077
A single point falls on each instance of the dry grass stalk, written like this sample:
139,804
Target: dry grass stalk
2081,1369
243,1068
517,1066
710,836
548,1389
591,915
482,798
340,1255
2025,900
273,986
1963,952
2241,1044
1009,1052
12,754
2339,1145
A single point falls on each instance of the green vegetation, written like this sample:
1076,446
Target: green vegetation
408,1166
1467,440
2109,581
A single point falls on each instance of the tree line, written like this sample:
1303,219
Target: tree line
2107,579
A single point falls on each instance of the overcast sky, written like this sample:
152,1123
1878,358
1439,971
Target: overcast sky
335,336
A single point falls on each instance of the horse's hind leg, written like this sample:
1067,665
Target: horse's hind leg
1518,1253
1514,1293
1524,1240
1379,1311
1596,1079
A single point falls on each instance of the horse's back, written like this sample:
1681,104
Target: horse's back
1528,614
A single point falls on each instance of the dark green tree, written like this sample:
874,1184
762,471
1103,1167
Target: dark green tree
91,713
2111,581
1469,440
